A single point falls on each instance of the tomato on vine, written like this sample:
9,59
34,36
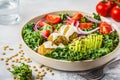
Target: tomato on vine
103,8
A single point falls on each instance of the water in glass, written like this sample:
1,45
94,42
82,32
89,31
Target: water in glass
9,11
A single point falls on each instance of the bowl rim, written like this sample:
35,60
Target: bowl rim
65,61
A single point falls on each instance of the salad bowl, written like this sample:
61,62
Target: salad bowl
71,65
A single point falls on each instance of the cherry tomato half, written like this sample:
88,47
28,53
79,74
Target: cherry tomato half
105,28
45,33
54,19
77,16
85,25
40,24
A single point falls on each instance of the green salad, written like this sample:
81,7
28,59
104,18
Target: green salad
71,37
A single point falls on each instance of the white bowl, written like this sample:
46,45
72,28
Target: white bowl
69,65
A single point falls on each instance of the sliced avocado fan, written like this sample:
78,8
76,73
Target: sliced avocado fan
85,44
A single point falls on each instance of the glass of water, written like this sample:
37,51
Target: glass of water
9,11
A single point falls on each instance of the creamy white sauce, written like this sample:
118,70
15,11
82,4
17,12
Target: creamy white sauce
62,29
55,35
70,31
49,44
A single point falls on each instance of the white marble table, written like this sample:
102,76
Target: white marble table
10,34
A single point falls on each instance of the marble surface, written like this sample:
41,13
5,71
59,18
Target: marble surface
10,34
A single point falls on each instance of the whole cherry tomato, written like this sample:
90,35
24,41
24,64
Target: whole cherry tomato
115,13
103,8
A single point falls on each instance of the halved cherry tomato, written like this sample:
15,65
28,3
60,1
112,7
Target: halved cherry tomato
45,33
40,24
54,19
85,25
77,16
105,28
103,8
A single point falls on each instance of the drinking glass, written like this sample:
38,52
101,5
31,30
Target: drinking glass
9,11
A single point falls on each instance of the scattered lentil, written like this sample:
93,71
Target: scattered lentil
52,73
5,47
43,70
1,59
50,70
13,60
8,69
34,66
17,60
41,73
36,69
47,69
41,65
11,49
6,63
3,53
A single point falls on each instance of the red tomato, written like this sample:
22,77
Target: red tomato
45,33
85,25
105,28
53,19
77,16
69,22
118,0
103,8
40,24
112,3
115,13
